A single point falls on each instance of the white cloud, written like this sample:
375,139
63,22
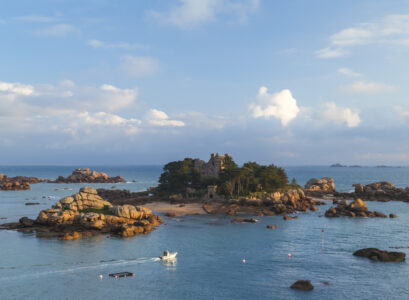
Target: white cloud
84,113
348,72
364,87
340,115
121,45
58,30
191,13
203,121
330,52
16,88
390,30
160,118
139,66
281,105
35,19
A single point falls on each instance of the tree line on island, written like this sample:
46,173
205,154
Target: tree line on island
232,181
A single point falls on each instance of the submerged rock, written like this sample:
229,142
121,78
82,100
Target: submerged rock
304,285
381,255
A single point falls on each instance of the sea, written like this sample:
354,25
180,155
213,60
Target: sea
216,258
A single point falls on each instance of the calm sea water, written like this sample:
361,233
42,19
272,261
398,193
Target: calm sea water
211,249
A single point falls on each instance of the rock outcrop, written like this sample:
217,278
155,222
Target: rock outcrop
17,183
318,187
85,214
383,191
356,208
86,175
381,255
275,203
304,285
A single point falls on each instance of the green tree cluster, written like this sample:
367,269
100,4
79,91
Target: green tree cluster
233,181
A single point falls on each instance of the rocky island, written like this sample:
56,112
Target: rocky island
378,191
219,186
85,175
17,183
86,214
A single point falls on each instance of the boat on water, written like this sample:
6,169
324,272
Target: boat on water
168,256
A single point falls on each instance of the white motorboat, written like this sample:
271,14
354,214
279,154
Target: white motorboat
167,255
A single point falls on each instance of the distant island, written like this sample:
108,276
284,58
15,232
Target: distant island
337,165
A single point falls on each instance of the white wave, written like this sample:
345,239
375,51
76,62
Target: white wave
83,268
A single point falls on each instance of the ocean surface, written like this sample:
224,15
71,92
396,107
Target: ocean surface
211,249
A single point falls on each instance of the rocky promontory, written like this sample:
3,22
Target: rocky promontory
85,175
356,208
17,183
86,214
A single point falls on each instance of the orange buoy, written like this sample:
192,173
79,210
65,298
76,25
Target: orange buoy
289,254
244,261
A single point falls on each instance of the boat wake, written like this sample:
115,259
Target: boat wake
82,268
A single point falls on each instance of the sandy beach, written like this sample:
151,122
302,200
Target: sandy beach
176,209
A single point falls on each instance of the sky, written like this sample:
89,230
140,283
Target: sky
297,82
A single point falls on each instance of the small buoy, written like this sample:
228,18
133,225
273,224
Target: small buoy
289,254
100,276
244,261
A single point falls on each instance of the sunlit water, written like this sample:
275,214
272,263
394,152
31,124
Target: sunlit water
211,249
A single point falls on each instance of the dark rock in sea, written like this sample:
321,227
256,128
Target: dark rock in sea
381,255
286,218
26,222
243,220
304,285
392,216
32,203
272,226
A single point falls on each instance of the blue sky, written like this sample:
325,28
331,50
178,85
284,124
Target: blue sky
141,82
